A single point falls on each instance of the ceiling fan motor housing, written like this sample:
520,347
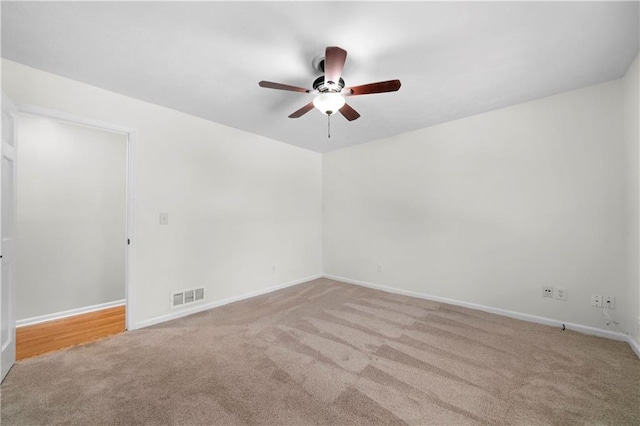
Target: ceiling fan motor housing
328,86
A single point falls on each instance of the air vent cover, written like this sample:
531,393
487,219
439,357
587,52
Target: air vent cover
186,297
199,294
177,299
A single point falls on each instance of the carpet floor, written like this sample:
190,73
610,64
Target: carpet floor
326,352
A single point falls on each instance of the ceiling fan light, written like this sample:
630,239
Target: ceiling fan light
328,103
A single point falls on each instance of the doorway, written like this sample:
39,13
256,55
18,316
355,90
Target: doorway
74,227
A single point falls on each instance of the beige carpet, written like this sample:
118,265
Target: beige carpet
331,353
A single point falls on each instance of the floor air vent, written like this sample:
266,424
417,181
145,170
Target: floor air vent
186,297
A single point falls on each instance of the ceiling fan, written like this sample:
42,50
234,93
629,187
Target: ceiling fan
330,88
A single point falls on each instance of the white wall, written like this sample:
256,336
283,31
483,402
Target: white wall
237,202
488,209
71,222
631,93
484,210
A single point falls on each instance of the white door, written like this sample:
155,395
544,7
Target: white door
8,213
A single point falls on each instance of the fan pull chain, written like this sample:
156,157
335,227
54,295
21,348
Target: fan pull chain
329,126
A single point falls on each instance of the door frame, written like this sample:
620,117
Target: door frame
9,357
130,258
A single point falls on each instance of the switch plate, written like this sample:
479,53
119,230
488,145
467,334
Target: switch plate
560,293
164,218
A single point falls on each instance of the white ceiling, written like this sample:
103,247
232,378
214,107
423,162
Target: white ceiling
454,59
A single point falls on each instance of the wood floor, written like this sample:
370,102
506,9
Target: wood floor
39,339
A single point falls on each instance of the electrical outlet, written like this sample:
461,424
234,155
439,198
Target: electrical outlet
560,293
380,268
609,301
164,218
596,300
547,291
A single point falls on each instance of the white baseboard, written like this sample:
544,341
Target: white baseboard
511,314
64,314
635,346
210,305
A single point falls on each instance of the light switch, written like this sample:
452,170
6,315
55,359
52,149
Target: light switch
164,218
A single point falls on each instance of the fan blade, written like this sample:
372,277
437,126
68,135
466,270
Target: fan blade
349,113
334,59
379,87
302,111
279,86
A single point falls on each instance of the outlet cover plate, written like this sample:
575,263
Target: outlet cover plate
560,293
547,291
608,300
